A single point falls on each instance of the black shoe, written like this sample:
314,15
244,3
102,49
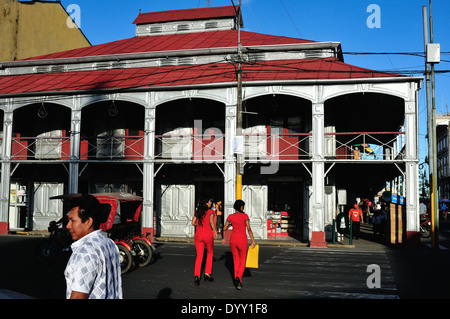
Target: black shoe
196,281
208,278
237,283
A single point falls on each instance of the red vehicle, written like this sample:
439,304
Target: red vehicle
122,212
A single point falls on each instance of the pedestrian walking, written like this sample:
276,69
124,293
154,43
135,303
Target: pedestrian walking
378,219
238,241
219,217
205,233
93,270
356,216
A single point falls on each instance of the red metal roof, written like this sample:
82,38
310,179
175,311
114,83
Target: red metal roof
285,70
186,14
202,40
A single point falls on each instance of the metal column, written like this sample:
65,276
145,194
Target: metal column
149,171
318,174
411,169
75,140
6,172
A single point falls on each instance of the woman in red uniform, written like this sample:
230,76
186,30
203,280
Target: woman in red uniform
205,233
238,241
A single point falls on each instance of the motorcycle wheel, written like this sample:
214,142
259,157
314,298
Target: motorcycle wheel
143,252
126,260
425,231
46,251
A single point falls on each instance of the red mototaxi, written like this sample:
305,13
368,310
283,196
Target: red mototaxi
122,212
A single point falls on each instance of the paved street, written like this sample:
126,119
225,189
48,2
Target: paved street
284,273
369,270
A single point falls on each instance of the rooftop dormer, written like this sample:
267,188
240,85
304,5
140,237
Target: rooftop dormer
188,21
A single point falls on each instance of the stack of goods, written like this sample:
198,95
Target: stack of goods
279,223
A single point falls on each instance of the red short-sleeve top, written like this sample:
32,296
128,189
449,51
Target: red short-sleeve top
205,227
239,233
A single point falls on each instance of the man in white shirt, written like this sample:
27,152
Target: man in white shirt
93,270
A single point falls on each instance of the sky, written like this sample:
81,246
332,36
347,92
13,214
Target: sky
372,26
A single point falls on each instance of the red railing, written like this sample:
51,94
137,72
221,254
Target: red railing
366,145
207,147
112,148
277,146
58,148
210,147
40,148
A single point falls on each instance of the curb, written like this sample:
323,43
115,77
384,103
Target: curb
224,242
259,242
262,242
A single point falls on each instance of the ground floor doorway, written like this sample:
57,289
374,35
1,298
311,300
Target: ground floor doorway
285,210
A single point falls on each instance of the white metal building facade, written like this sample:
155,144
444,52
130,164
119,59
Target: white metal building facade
162,123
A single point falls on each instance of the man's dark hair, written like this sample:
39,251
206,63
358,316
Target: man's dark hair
89,206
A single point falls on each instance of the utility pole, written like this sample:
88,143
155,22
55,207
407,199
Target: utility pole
239,155
432,57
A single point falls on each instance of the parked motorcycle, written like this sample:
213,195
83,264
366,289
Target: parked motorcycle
58,243
425,227
134,251
122,225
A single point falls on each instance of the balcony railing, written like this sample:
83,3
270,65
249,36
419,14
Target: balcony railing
180,147
91,148
40,148
365,145
277,146
104,147
210,147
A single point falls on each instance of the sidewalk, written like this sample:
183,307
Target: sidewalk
366,242
361,244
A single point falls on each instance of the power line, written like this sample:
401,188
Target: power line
417,54
290,18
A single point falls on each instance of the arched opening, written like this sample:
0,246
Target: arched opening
370,123
41,139
41,132
190,129
277,127
189,152
112,142
364,134
112,130
277,137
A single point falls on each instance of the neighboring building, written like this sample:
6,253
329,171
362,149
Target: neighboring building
33,28
443,169
156,115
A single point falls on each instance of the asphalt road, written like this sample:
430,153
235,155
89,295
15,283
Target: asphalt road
285,272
